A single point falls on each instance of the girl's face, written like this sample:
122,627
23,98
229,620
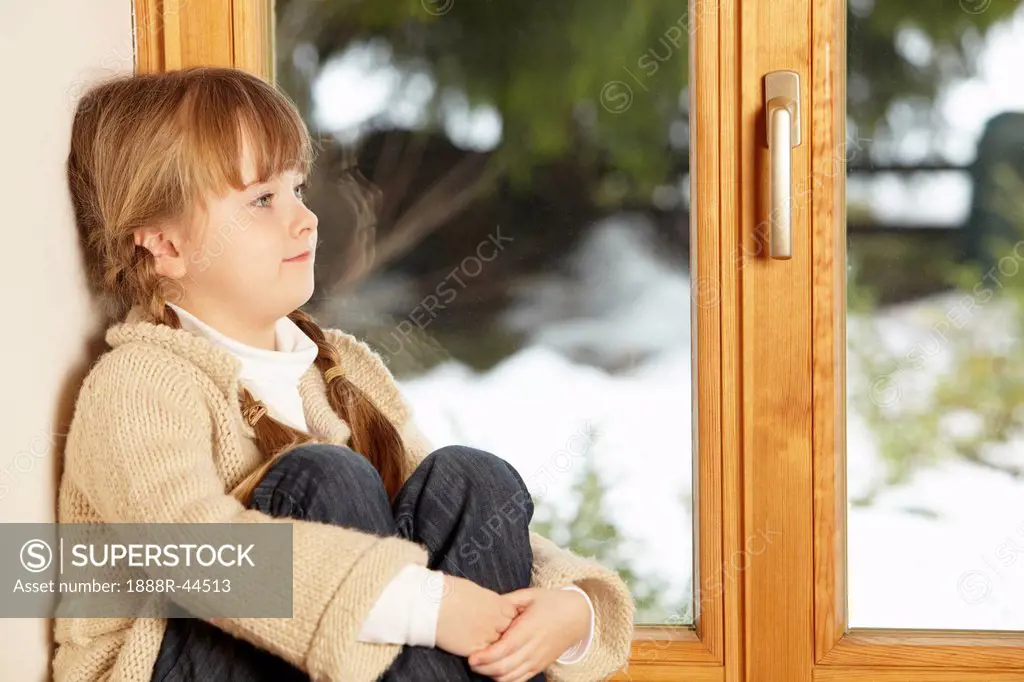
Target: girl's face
247,259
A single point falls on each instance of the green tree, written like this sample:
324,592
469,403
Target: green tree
592,96
544,66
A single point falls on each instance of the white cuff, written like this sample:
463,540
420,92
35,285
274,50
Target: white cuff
406,610
578,651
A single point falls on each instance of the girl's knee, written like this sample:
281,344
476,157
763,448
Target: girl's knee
471,460
484,466
321,482
325,463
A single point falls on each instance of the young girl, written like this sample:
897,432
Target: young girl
219,401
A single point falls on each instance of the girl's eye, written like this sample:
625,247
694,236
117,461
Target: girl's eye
263,201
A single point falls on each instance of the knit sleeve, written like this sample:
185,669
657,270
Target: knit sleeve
140,449
614,610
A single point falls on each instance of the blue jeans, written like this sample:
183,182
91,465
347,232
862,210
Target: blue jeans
460,503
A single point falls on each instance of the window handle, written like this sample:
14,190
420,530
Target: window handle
782,117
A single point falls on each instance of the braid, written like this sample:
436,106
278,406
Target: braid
373,435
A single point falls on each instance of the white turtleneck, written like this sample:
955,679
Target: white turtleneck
272,376
407,609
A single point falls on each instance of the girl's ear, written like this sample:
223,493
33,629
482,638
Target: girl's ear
163,243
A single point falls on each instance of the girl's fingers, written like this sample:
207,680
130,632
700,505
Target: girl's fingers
509,669
501,667
490,653
511,640
521,674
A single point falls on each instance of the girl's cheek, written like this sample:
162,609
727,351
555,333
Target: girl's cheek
236,226
245,218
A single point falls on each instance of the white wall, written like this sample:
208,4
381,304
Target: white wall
49,50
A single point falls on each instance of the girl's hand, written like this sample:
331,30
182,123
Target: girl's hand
549,623
471,617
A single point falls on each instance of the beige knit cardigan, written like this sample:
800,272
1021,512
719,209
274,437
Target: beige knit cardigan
157,436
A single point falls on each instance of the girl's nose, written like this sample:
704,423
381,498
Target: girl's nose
305,221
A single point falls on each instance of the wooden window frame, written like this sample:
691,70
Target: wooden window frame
861,654
173,34
793,319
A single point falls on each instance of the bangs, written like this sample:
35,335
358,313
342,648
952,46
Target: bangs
225,110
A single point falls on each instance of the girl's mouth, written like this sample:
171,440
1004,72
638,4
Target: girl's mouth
298,259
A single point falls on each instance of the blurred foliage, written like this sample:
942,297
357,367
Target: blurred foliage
992,220
903,268
960,391
906,51
603,82
541,65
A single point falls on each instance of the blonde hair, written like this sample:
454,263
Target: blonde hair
147,149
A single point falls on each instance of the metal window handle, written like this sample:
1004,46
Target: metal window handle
782,117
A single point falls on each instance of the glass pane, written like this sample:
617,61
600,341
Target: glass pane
935,231
504,213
